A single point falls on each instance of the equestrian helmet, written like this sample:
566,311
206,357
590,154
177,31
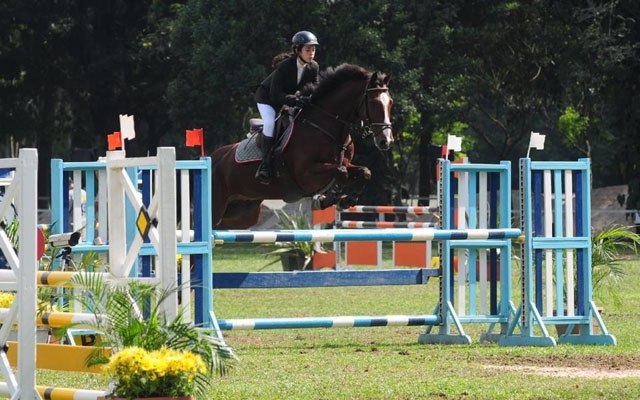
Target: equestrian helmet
303,38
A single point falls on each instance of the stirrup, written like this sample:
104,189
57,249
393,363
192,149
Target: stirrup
263,175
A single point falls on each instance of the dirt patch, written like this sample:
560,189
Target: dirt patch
568,372
568,365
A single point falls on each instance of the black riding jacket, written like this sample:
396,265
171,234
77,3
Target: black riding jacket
283,81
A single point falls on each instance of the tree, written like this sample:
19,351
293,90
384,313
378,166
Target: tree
69,69
488,71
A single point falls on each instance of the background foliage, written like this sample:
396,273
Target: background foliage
491,71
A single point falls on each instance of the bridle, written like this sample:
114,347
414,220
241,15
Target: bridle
367,125
364,125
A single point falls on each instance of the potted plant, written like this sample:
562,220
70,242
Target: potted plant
293,255
130,317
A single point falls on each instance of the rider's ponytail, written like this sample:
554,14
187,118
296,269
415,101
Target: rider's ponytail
277,59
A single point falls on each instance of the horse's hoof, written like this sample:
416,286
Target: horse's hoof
346,201
342,173
316,202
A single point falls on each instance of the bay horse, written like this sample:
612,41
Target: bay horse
316,157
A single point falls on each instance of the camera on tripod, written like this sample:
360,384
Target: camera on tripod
68,239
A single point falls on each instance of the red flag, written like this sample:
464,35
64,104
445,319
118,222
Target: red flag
195,137
114,141
445,152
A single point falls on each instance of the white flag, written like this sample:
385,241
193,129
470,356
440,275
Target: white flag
454,143
126,127
536,141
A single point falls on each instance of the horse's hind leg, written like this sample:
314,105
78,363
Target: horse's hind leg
241,214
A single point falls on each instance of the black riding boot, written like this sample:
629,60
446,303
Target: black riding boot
264,171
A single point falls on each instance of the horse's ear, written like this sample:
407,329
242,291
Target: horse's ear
380,77
374,79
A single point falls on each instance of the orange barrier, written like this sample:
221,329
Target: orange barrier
410,254
361,253
324,259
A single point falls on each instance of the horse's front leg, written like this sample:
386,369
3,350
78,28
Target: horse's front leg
344,194
358,177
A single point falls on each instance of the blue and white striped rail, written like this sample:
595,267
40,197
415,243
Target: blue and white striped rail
328,322
344,235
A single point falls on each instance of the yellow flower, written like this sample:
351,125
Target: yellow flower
164,372
6,299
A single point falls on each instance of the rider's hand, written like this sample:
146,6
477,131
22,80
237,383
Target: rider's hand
303,101
290,100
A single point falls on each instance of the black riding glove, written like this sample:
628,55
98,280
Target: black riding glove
303,101
290,100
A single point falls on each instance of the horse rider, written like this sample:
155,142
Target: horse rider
280,87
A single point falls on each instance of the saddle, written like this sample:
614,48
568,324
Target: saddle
283,121
249,150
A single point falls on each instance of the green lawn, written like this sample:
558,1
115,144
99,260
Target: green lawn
388,363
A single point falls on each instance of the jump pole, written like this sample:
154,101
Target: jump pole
445,316
479,236
328,322
346,235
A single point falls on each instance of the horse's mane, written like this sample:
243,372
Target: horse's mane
333,77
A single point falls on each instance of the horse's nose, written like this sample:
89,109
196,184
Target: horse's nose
386,139
384,144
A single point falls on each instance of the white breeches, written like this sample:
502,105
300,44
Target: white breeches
268,115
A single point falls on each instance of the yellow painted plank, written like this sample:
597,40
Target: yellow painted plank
58,357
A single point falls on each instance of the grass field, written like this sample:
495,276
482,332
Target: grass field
388,363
